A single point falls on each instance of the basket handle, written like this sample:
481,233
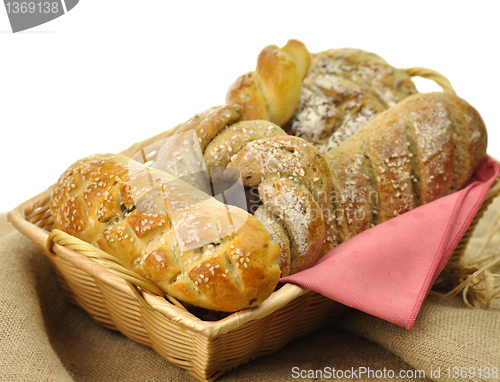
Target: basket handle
431,74
111,263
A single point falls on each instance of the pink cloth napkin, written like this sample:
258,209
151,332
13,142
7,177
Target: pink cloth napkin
388,270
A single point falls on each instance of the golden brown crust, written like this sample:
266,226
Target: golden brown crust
288,156
388,150
245,92
145,218
386,147
272,91
292,205
212,123
366,69
470,142
351,197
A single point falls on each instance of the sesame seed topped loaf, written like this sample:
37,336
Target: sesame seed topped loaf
407,149
294,185
193,247
419,150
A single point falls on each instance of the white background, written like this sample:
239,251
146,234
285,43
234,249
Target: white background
113,72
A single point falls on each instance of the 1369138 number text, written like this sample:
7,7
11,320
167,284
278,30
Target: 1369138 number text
472,372
32,7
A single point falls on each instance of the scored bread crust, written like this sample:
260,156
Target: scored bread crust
144,217
421,149
342,91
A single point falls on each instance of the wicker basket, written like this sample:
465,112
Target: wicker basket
120,300
206,349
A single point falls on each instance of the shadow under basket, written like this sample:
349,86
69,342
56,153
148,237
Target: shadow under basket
205,349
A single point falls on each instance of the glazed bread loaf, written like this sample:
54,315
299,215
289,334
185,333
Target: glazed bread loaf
421,149
272,91
193,247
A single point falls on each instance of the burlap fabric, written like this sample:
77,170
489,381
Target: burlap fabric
45,338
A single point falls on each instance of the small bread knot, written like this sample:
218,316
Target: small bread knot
272,91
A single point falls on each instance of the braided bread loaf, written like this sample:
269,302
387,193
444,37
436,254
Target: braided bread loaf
400,166
192,246
423,148
292,177
365,148
272,91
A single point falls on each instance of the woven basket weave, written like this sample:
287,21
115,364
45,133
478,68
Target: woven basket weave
121,300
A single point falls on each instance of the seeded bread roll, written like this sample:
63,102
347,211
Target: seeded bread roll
421,149
193,247
294,186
